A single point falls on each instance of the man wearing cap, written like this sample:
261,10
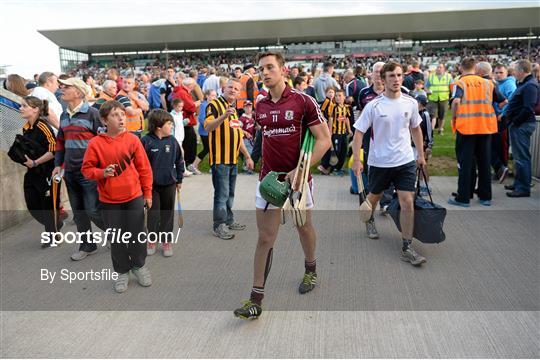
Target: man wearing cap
249,89
79,123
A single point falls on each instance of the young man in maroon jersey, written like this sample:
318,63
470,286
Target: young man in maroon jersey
284,115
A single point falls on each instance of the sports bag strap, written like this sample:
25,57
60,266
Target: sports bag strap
421,171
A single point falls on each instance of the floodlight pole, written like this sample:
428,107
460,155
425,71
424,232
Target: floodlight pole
166,56
399,39
530,35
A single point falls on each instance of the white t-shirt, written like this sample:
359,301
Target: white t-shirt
44,94
178,126
211,83
390,121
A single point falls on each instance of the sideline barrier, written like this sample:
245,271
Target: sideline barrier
535,150
12,205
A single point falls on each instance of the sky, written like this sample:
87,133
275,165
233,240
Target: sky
27,52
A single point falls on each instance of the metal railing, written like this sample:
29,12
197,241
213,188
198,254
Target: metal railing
535,150
11,122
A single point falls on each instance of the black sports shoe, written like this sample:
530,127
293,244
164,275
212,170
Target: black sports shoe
249,310
517,194
308,282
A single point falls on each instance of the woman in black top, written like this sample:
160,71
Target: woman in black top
38,190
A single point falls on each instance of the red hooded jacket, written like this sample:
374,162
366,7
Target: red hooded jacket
189,110
133,176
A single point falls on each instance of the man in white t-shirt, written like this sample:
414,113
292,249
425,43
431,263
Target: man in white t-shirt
47,86
212,82
393,118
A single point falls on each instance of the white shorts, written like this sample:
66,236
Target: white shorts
260,203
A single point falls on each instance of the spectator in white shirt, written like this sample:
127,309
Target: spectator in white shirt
48,84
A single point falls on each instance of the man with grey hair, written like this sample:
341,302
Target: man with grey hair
212,81
47,86
483,69
522,123
79,123
110,92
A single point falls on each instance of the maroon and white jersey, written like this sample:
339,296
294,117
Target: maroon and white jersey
283,125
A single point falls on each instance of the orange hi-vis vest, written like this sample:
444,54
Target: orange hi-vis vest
243,93
475,114
133,122
105,96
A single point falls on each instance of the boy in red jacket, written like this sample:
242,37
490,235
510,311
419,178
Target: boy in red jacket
117,161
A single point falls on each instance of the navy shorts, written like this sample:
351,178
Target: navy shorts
403,178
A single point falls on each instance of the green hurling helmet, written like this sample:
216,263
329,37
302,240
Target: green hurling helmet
274,191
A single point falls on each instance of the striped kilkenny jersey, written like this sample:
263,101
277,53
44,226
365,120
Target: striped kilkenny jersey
224,141
327,107
341,115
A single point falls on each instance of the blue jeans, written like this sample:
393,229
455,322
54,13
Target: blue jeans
83,197
224,181
520,140
249,145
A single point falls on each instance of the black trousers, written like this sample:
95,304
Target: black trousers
257,147
365,145
206,147
340,144
471,149
499,149
38,195
189,144
128,217
161,215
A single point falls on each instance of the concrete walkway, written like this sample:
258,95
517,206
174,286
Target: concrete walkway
478,295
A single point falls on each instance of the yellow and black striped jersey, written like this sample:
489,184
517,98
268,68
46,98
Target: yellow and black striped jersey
224,141
327,107
341,115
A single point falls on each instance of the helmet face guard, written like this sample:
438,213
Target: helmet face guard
273,190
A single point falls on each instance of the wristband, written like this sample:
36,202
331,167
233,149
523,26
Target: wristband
34,163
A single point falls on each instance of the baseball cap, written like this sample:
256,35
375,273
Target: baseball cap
75,82
422,99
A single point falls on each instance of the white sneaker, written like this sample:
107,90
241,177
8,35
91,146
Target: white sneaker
143,276
167,250
121,284
194,170
79,255
151,248
187,173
